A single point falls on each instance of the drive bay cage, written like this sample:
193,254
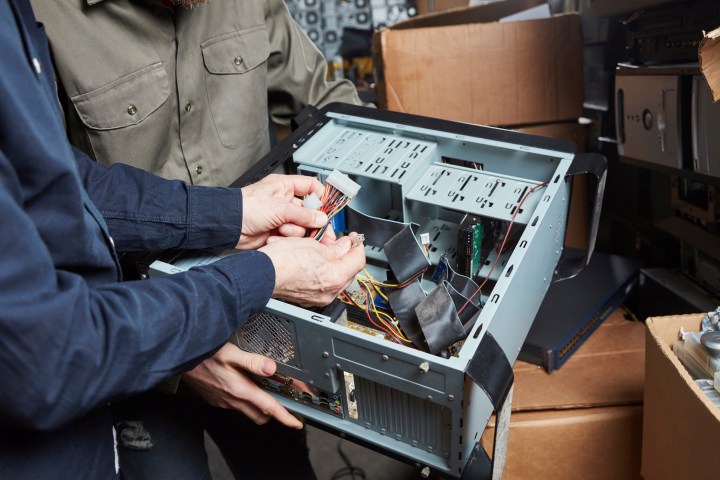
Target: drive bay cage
461,195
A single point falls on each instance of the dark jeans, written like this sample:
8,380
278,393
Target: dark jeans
175,425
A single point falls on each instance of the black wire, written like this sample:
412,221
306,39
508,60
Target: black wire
349,470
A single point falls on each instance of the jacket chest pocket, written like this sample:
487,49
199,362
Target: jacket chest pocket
236,82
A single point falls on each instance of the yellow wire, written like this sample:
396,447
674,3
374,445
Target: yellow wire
369,279
393,322
390,323
381,293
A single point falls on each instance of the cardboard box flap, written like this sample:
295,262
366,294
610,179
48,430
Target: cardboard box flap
710,61
491,11
607,370
423,6
664,331
543,419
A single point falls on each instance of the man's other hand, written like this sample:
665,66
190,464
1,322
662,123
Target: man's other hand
220,381
272,207
309,272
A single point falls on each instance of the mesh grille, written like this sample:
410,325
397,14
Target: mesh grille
268,335
405,417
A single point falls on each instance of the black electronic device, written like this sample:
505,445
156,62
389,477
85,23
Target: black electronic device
574,308
610,8
670,33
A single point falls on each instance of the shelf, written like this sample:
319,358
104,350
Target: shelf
692,234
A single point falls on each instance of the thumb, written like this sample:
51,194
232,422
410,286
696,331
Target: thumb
305,217
339,248
256,364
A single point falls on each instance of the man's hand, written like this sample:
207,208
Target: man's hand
309,272
271,207
220,382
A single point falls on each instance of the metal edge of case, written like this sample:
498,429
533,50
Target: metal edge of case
312,121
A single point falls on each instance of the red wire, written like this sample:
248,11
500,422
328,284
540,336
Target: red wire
367,312
502,245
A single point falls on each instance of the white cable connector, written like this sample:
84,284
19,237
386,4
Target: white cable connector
312,201
343,183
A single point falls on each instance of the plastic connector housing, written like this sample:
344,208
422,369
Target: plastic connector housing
343,183
312,201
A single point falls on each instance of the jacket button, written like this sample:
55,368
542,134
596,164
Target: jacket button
188,107
132,110
238,61
198,169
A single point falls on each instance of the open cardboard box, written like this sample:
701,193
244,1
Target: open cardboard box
681,427
465,65
584,420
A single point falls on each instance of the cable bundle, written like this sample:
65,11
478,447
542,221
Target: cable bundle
339,190
364,292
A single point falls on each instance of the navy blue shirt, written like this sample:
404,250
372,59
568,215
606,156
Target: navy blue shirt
72,337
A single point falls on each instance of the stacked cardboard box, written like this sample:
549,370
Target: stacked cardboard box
584,420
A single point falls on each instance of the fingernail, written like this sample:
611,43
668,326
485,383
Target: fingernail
268,368
357,238
320,219
298,424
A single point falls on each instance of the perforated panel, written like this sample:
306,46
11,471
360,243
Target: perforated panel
271,336
409,419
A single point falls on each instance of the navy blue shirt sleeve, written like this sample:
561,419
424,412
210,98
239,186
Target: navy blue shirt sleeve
68,346
72,337
150,213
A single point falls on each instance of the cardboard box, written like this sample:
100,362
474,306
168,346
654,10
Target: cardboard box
710,61
681,427
573,131
584,420
464,65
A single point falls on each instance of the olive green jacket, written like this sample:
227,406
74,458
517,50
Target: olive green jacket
183,93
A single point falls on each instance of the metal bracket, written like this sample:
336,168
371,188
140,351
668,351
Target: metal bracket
594,166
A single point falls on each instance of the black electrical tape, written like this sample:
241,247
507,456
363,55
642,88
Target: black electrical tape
461,288
490,369
377,231
403,302
405,255
438,319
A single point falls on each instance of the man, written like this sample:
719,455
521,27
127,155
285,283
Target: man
75,338
186,94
